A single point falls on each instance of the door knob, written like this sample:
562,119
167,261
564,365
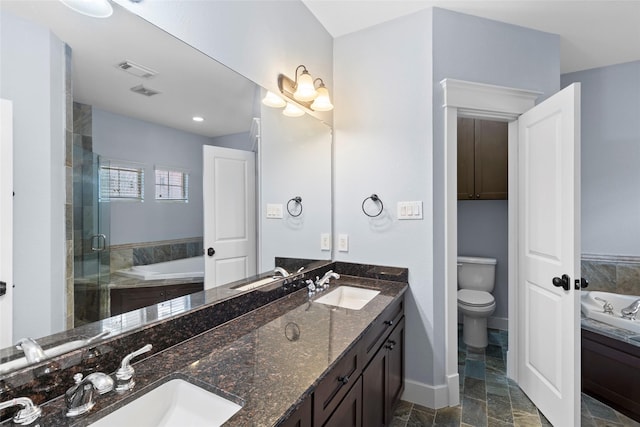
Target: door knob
211,252
582,283
561,282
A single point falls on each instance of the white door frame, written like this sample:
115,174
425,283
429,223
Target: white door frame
483,101
6,221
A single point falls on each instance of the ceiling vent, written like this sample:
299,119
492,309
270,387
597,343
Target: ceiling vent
144,91
137,70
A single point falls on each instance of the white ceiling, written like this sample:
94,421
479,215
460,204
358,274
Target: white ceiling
190,82
593,33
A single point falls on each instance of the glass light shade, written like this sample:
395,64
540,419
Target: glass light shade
305,91
92,8
322,101
292,111
273,100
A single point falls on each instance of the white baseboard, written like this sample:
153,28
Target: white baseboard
427,395
501,323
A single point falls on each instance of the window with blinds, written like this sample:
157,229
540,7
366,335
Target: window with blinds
121,182
172,185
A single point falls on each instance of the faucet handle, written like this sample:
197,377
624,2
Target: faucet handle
29,412
124,374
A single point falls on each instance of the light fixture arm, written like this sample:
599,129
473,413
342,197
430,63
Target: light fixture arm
304,70
321,82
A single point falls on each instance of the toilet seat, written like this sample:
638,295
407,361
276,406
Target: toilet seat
471,298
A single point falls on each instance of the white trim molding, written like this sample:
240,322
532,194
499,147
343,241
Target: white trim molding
434,397
481,100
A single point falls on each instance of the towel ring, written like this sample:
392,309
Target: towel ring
298,202
375,199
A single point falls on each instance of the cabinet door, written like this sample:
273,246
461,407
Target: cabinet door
374,390
395,373
301,417
349,412
465,159
491,160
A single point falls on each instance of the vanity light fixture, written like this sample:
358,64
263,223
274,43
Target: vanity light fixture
304,91
291,110
92,8
273,100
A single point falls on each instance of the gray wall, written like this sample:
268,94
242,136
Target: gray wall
295,160
32,71
610,157
483,231
124,138
475,49
391,141
239,141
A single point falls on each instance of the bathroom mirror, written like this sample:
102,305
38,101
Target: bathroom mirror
126,128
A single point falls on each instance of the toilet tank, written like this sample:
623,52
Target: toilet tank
476,273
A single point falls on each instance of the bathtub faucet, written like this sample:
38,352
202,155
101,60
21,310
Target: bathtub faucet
607,307
631,311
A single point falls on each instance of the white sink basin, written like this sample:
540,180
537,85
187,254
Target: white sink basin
348,297
175,403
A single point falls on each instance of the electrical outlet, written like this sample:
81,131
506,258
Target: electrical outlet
343,242
325,242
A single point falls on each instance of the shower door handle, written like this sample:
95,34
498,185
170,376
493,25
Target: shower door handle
101,242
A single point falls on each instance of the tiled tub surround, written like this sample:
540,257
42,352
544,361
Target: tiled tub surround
250,360
128,255
612,273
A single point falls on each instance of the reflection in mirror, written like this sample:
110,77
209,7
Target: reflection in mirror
130,193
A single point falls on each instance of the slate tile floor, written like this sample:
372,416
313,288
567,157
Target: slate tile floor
490,399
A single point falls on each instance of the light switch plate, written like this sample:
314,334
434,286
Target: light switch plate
343,242
325,242
410,210
274,210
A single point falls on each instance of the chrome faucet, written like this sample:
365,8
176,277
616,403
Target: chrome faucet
29,412
631,311
32,350
607,307
283,272
323,283
311,286
79,397
124,374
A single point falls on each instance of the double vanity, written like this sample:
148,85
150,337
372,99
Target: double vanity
271,355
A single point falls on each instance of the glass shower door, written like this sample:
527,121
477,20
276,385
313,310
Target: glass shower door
91,240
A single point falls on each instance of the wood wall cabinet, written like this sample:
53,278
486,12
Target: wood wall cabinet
127,299
482,160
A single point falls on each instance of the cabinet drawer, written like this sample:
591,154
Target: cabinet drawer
336,385
381,329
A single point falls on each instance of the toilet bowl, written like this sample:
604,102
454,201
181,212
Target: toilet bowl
476,278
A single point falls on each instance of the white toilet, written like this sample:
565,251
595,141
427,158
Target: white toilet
476,278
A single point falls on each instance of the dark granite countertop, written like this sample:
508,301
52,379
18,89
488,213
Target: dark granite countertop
619,334
254,359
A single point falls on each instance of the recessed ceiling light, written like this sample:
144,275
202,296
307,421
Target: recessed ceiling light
198,119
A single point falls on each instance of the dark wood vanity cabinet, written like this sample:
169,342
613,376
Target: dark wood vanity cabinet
364,386
482,159
383,380
127,299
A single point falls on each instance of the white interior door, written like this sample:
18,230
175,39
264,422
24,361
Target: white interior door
549,247
229,215
6,223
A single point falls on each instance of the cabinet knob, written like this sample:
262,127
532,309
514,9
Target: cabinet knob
471,196
388,322
478,196
344,379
